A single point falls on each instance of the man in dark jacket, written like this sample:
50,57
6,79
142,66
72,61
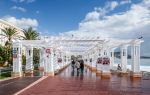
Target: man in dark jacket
82,65
73,64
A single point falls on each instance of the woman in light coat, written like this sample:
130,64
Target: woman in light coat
77,65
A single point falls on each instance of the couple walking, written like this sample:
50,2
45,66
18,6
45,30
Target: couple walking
79,64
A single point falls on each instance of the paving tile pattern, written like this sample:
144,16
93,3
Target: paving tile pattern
9,87
70,83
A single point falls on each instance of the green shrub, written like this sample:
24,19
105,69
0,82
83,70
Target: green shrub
7,74
23,59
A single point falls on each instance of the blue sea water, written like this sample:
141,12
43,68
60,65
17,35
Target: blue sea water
143,62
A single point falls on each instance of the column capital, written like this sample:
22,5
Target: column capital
112,49
29,47
124,46
137,42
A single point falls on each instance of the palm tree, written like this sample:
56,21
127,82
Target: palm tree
30,34
9,33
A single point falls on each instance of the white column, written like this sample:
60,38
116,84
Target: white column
65,59
29,58
103,54
106,67
52,61
62,57
124,58
99,66
17,59
49,62
55,61
68,58
88,59
58,58
91,59
111,58
95,56
135,51
42,59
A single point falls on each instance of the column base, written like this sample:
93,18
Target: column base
65,66
87,66
93,69
98,73
124,73
16,74
41,73
49,74
56,71
29,73
90,67
136,75
106,75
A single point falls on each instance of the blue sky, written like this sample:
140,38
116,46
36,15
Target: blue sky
124,19
55,16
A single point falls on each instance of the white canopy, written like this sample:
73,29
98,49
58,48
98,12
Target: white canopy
77,44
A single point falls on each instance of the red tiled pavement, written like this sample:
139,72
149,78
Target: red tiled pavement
68,83
11,86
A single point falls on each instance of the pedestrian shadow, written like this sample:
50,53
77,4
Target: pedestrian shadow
81,76
72,72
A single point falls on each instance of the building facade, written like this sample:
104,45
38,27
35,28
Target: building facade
5,24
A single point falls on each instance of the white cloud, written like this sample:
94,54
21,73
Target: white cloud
21,1
125,2
92,16
130,24
100,12
113,5
22,22
19,8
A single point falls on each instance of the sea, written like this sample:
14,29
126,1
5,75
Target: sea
144,64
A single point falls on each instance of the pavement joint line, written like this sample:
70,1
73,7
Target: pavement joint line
8,79
34,83
7,83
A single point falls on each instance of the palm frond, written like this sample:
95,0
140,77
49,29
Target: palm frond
10,33
30,34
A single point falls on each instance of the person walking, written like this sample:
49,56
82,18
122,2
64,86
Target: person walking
78,67
73,64
82,65
119,68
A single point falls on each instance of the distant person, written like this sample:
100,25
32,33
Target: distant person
77,64
73,64
82,65
119,67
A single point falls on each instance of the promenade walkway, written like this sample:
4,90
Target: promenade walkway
9,87
69,82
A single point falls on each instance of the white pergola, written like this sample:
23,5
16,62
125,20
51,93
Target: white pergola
53,48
